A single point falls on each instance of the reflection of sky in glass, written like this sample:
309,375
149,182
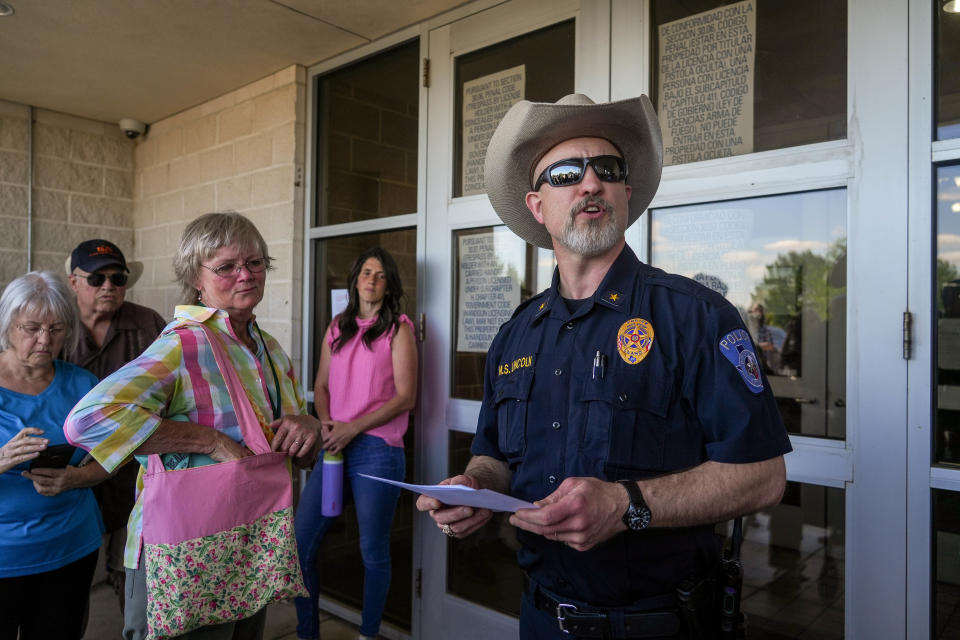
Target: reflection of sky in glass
948,215
948,131
735,241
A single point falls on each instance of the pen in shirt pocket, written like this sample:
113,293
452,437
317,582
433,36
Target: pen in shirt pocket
599,365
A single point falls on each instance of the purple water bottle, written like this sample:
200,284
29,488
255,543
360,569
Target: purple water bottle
331,501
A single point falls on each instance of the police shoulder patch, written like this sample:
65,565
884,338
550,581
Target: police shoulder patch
634,340
737,347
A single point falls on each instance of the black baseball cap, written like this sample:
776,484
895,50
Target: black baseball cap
92,255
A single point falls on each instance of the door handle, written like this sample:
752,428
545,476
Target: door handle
805,400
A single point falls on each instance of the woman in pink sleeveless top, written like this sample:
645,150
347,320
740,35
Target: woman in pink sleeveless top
365,388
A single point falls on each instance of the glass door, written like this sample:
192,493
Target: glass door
478,271
365,193
781,260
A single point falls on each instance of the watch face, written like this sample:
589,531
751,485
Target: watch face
637,517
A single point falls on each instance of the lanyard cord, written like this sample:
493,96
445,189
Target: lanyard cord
275,407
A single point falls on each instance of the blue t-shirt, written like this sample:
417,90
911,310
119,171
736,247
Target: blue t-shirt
40,533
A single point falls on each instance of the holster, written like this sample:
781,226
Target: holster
710,606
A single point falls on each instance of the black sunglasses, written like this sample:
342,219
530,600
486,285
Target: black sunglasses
97,279
571,171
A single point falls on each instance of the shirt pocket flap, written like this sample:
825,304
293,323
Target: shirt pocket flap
514,387
629,394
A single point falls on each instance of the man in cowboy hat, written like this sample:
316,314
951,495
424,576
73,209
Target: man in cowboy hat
114,332
635,416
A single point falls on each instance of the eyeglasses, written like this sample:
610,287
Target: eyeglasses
34,330
231,269
97,279
571,171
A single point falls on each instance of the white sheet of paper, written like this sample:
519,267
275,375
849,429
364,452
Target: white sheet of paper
458,494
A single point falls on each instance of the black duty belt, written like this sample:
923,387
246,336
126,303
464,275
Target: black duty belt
583,621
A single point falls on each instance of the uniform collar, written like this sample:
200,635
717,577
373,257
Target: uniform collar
614,291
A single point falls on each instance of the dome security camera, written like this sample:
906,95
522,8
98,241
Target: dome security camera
132,128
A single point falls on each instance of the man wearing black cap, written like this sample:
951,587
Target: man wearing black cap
624,401
114,333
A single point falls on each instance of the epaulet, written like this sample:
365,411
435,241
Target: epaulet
684,285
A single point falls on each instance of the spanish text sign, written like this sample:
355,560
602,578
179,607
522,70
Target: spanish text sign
706,84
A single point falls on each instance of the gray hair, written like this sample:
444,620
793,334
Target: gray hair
204,237
41,292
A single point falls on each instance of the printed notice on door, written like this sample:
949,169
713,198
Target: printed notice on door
490,268
485,101
706,84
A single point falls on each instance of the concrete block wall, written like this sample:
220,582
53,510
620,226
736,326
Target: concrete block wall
244,152
372,154
82,187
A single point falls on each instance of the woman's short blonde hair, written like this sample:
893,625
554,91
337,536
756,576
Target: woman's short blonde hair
40,292
204,237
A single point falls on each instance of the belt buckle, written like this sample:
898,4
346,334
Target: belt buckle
561,609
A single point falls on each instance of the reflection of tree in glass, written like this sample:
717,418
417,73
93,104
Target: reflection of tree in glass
801,280
800,288
946,274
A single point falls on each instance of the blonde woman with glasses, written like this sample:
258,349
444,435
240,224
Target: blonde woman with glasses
174,401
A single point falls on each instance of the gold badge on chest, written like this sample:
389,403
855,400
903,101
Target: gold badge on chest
634,340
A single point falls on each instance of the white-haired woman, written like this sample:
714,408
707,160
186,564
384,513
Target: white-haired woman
50,525
173,401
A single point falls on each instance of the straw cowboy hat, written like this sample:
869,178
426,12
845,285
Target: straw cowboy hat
530,129
93,255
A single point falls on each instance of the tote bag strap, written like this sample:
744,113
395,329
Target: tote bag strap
253,435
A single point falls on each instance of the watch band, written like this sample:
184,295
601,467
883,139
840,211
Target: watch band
636,496
637,516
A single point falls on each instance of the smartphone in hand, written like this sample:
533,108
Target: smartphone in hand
56,456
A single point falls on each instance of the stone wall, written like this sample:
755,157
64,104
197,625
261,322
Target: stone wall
242,152
82,187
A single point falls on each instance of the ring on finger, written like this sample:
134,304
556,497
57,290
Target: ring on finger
448,530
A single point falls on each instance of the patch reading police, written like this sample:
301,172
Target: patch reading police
634,340
738,349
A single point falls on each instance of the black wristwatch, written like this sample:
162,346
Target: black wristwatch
637,516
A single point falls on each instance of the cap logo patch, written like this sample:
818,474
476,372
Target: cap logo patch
737,347
634,340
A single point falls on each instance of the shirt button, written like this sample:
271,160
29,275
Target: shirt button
557,372
569,325
552,479
556,425
622,397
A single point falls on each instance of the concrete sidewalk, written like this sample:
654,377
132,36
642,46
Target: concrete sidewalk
106,623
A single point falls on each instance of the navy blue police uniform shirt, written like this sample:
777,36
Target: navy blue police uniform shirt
678,384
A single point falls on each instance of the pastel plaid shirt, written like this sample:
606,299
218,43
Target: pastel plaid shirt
177,378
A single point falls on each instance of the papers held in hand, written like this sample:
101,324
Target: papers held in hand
458,494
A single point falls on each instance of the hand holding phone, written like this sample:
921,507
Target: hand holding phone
56,456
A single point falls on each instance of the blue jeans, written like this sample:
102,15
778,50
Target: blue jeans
376,503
